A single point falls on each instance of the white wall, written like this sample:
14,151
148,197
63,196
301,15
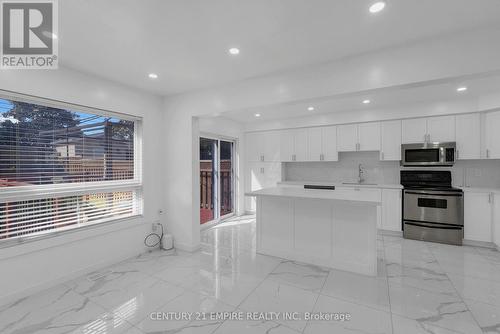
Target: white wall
39,264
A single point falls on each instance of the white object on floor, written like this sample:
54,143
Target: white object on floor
167,242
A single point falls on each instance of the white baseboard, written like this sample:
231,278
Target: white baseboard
187,247
480,244
390,233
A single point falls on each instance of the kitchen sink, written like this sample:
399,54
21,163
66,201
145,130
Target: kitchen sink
359,184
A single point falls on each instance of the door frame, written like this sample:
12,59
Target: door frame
234,196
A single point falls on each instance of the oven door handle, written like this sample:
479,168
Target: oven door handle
429,225
434,194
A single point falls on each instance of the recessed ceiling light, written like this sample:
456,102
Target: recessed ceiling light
234,51
366,101
461,89
377,7
153,76
310,108
257,115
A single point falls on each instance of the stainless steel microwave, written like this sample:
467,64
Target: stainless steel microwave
428,154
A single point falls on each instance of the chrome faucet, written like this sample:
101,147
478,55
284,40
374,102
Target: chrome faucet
361,179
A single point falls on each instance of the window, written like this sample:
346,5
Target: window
63,167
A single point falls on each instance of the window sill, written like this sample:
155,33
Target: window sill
25,245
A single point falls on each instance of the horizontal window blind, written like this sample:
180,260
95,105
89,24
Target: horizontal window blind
62,169
38,216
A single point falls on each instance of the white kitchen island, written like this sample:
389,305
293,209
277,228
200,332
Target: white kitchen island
331,228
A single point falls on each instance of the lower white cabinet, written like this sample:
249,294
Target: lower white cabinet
496,219
478,216
261,175
391,210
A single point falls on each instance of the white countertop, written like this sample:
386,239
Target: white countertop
340,184
480,189
370,196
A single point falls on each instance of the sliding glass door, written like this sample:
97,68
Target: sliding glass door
216,179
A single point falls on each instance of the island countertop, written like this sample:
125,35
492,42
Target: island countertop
371,196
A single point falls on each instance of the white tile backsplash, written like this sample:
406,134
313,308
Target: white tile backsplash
472,173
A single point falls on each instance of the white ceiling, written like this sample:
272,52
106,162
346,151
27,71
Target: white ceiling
382,98
185,41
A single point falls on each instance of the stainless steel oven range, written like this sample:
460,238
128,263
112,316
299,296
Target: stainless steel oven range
432,209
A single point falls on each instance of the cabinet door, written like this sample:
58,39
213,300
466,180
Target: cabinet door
286,145
271,146
477,216
414,130
492,135
390,140
300,144
391,209
369,136
441,129
496,219
329,143
272,174
347,137
314,144
255,180
468,136
253,144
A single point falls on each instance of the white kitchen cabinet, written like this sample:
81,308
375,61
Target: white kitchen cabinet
263,146
261,175
314,144
329,143
496,219
478,216
322,144
390,140
391,209
468,136
414,130
347,138
369,136
286,145
358,137
492,135
300,145
429,129
441,129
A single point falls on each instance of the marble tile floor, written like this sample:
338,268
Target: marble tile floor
420,288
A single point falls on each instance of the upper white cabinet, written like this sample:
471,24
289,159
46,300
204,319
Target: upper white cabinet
492,135
414,130
263,146
293,145
358,137
478,216
441,129
322,144
347,138
390,140
468,133
430,129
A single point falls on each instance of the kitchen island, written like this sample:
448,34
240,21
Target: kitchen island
335,228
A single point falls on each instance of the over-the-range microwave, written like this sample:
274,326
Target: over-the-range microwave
428,154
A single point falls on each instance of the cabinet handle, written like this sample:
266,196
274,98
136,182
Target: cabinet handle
293,157
321,157
261,158
262,170
487,153
458,155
